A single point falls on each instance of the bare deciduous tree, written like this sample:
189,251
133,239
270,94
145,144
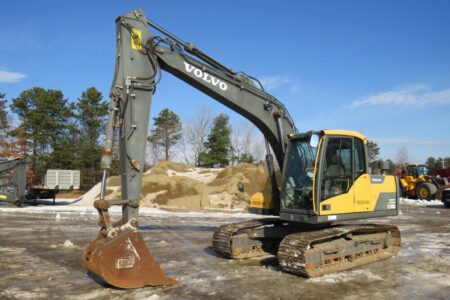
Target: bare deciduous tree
155,154
247,142
184,152
195,133
402,156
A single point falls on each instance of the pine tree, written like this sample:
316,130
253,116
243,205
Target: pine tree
4,124
246,158
46,127
166,131
4,129
218,145
10,147
91,113
431,162
373,150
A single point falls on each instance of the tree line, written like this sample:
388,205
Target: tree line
52,132
438,163
203,141
402,160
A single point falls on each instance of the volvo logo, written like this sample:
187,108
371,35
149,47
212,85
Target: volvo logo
206,76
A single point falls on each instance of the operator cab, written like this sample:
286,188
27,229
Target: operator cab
326,179
416,171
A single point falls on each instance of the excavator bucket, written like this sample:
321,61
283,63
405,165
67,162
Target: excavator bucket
123,261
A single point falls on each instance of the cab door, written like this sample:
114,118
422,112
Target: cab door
336,176
362,180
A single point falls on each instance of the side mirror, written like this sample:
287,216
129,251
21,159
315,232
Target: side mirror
314,141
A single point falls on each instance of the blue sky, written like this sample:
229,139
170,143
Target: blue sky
380,67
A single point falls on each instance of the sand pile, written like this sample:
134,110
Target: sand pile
179,186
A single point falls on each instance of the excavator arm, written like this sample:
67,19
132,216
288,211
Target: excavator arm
119,255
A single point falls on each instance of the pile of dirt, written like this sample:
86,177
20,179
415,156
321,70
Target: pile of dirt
253,177
179,186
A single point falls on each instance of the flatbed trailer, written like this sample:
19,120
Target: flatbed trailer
35,193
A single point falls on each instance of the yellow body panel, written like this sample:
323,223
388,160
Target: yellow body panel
262,199
361,197
341,204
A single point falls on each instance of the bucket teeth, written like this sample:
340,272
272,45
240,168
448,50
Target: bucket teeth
122,260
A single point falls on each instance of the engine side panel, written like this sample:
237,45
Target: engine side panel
368,193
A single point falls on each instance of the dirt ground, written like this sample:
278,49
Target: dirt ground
41,249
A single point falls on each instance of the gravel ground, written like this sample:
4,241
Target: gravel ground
41,249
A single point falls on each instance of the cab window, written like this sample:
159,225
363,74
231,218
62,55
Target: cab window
345,161
360,162
298,180
337,176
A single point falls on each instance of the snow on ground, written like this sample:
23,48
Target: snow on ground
117,210
86,199
77,206
41,249
421,202
346,276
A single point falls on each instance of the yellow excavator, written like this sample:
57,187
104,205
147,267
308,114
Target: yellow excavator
325,175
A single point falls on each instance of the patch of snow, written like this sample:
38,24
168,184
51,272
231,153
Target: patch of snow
152,196
68,244
86,199
419,202
346,276
199,174
162,243
18,294
9,249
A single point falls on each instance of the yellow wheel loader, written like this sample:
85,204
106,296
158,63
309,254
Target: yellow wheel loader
418,183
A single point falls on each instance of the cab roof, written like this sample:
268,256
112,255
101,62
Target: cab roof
346,133
350,133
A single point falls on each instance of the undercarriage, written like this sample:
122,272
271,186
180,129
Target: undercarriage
308,251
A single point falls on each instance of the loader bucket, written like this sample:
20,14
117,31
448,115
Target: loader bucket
124,261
